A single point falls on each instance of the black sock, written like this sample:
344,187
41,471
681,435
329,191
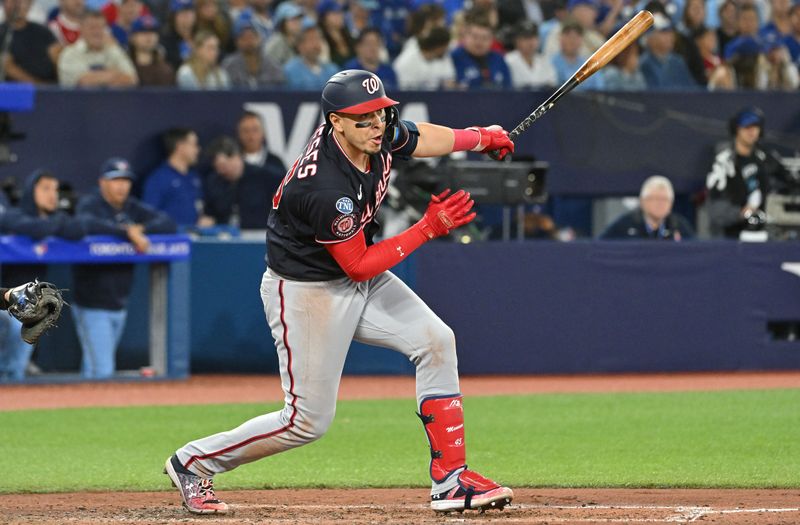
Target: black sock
176,464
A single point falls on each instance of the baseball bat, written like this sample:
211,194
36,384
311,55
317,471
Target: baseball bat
627,34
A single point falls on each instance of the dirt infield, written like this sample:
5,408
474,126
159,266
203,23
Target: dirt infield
409,506
395,506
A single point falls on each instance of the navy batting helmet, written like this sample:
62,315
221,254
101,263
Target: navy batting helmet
354,91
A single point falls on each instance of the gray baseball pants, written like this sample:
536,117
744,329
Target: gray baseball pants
313,324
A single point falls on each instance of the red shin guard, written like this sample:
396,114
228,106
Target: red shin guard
443,418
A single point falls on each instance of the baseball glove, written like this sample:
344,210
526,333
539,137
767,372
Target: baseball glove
38,306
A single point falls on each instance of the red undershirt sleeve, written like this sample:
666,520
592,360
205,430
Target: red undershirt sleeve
362,263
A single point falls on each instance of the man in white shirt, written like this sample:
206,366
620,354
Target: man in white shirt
528,68
429,67
95,59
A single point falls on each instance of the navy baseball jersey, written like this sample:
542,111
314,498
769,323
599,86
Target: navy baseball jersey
324,199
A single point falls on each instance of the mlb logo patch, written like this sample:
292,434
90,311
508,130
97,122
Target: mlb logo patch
344,205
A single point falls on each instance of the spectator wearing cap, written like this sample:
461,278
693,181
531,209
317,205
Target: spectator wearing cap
34,50
567,61
330,18
369,48
211,19
66,26
37,216
792,40
95,60
744,66
308,71
147,55
101,292
127,12
477,66
742,175
249,67
177,40
661,66
528,68
781,72
258,11
428,65
583,12
288,22
175,187
202,70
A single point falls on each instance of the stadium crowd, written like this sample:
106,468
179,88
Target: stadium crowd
410,44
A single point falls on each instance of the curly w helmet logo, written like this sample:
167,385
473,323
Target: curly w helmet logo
371,84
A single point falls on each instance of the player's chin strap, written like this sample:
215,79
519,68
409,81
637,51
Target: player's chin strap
443,418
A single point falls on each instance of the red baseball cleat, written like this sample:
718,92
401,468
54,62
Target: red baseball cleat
197,493
472,492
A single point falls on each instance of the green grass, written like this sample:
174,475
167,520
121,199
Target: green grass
711,439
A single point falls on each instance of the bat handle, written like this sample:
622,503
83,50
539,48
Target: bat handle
522,126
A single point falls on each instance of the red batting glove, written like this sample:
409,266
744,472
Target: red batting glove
446,213
494,138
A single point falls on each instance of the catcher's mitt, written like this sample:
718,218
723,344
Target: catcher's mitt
38,306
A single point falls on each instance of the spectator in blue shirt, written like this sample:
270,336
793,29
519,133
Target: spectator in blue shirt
780,24
369,46
477,66
127,12
174,187
101,292
307,71
568,60
661,66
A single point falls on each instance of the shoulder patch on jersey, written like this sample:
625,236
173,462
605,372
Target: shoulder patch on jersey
344,205
345,225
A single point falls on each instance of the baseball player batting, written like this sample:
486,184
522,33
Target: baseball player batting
327,283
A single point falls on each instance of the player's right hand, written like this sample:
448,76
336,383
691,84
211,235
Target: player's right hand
493,140
446,213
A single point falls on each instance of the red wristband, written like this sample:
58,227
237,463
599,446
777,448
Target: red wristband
465,139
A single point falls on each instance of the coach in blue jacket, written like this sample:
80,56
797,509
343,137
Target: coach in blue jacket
101,291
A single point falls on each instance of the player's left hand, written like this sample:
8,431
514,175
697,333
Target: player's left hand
493,139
